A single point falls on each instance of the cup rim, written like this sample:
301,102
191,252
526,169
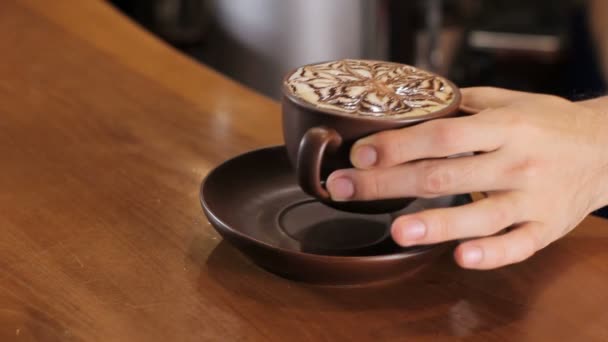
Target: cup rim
449,110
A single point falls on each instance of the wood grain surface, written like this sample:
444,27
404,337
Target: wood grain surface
105,136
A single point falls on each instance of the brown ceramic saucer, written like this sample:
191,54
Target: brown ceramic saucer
256,204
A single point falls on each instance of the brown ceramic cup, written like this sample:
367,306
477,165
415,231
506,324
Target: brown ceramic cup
319,140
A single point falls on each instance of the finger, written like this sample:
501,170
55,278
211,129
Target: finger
476,99
427,179
432,139
477,219
501,250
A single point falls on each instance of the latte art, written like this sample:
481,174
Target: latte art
371,88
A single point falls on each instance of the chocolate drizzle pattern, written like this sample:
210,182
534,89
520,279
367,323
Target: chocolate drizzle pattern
371,88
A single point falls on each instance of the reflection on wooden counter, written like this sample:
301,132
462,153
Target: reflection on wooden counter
105,136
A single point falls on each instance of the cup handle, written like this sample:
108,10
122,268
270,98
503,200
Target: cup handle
310,155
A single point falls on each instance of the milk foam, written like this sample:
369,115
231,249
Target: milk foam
371,88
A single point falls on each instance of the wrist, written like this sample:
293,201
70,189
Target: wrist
598,104
600,108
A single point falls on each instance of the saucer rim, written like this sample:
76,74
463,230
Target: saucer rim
413,252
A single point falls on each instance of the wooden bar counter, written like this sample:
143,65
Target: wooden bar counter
105,135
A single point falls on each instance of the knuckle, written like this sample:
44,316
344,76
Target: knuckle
501,217
402,152
372,186
504,214
530,169
525,169
439,228
524,246
389,147
444,134
382,140
436,179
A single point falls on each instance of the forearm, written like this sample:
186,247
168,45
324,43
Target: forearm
600,105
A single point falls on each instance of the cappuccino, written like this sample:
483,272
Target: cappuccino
370,88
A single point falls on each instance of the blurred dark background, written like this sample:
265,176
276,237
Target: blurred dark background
539,46
544,45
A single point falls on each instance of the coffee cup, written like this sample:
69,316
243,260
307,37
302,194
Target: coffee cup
328,106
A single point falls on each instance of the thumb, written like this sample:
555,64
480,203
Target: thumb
476,99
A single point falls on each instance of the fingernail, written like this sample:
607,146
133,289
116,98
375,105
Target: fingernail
341,188
365,156
409,232
472,256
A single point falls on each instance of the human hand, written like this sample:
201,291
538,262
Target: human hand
542,161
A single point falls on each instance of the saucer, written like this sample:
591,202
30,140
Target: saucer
255,203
